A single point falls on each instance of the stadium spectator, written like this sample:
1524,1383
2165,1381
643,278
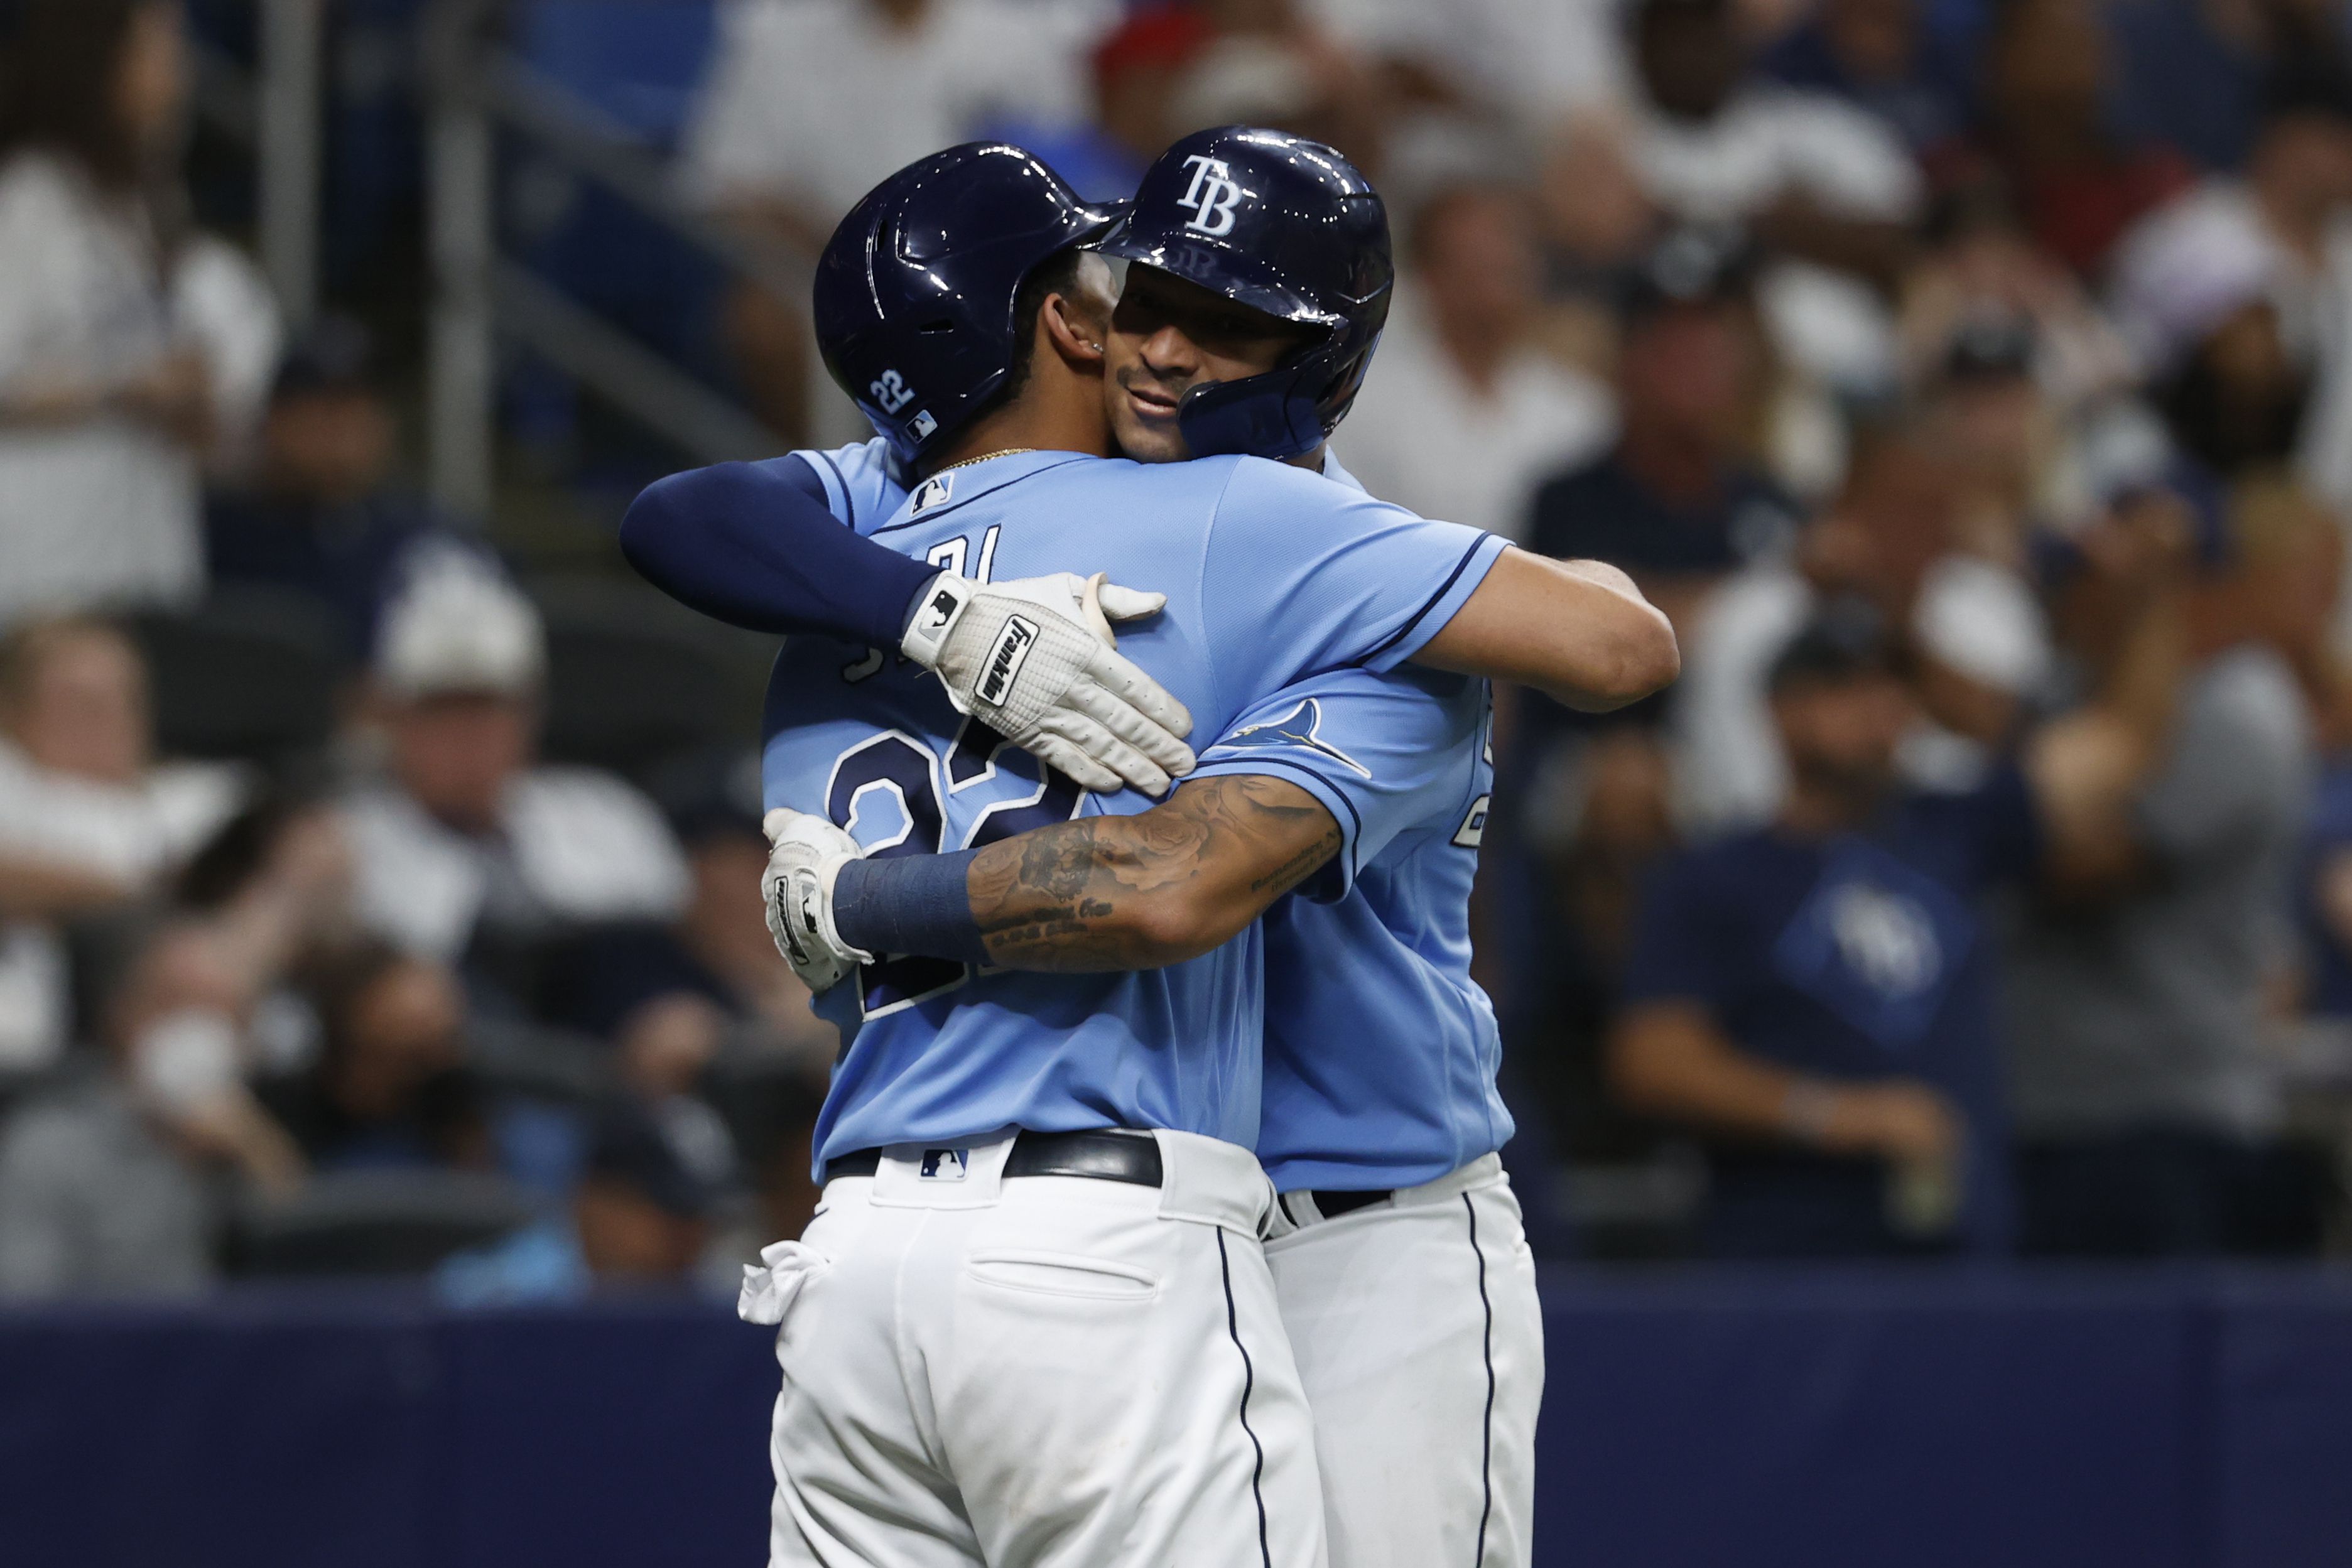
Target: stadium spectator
118,1182
1139,68
88,820
1531,64
810,103
466,850
2191,72
1881,56
1817,996
1980,263
2224,368
320,514
1895,536
1827,191
1271,64
2277,234
2147,1116
669,995
2079,184
1462,415
389,1087
641,1218
108,400
1676,502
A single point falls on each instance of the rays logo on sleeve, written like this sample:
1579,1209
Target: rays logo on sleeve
1302,726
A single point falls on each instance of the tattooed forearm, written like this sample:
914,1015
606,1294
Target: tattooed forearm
1136,892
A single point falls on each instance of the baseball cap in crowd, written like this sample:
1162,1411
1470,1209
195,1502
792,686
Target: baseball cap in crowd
2189,269
631,1148
1694,265
1846,640
711,793
335,355
458,625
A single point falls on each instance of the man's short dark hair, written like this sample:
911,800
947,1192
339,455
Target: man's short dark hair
1057,273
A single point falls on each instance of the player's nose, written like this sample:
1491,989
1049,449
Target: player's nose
1169,351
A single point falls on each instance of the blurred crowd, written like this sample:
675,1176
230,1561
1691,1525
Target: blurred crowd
1971,381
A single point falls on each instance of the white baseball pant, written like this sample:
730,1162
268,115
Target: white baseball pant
1039,1372
1419,1343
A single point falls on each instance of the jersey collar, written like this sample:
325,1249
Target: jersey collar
945,491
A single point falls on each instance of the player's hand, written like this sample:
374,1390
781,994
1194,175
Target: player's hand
806,854
1034,660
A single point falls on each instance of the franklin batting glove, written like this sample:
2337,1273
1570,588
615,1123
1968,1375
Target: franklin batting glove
1032,660
806,854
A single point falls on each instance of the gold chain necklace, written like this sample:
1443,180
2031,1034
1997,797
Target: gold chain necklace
988,457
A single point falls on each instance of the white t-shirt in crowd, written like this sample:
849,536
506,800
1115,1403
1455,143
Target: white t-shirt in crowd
132,835
1972,617
1542,59
812,102
583,846
103,513
1420,435
1773,142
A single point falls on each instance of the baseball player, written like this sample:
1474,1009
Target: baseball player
1373,1353
1031,1322
1380,1110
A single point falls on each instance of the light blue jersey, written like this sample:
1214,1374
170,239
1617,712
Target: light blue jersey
1382,1053
1274,579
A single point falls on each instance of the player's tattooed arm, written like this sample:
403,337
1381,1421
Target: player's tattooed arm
1141,892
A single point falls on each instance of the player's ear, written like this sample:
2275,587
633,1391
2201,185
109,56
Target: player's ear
1066,323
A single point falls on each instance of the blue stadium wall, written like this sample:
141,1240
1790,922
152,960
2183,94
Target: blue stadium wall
1727,1420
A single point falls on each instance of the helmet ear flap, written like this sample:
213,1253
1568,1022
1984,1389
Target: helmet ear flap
1286,413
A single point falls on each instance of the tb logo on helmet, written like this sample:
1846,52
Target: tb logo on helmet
1211,195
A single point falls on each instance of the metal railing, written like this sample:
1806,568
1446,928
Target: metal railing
275,110
478,92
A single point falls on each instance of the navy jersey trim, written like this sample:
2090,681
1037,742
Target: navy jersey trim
1249,1382
1431,602
848,497
985,490
1486,1436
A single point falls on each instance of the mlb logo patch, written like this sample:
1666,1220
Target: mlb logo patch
946,1165
924,425
934,492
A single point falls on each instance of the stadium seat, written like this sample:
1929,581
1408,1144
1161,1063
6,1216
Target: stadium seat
632,683
249,675
375,1222
515,1057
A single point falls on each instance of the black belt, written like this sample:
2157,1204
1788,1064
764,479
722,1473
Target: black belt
1332,1204
1106,1153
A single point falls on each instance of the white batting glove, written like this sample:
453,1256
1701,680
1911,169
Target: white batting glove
806,854
1033,659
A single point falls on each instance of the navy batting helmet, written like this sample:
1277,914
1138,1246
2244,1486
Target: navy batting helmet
915,295
1284,226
